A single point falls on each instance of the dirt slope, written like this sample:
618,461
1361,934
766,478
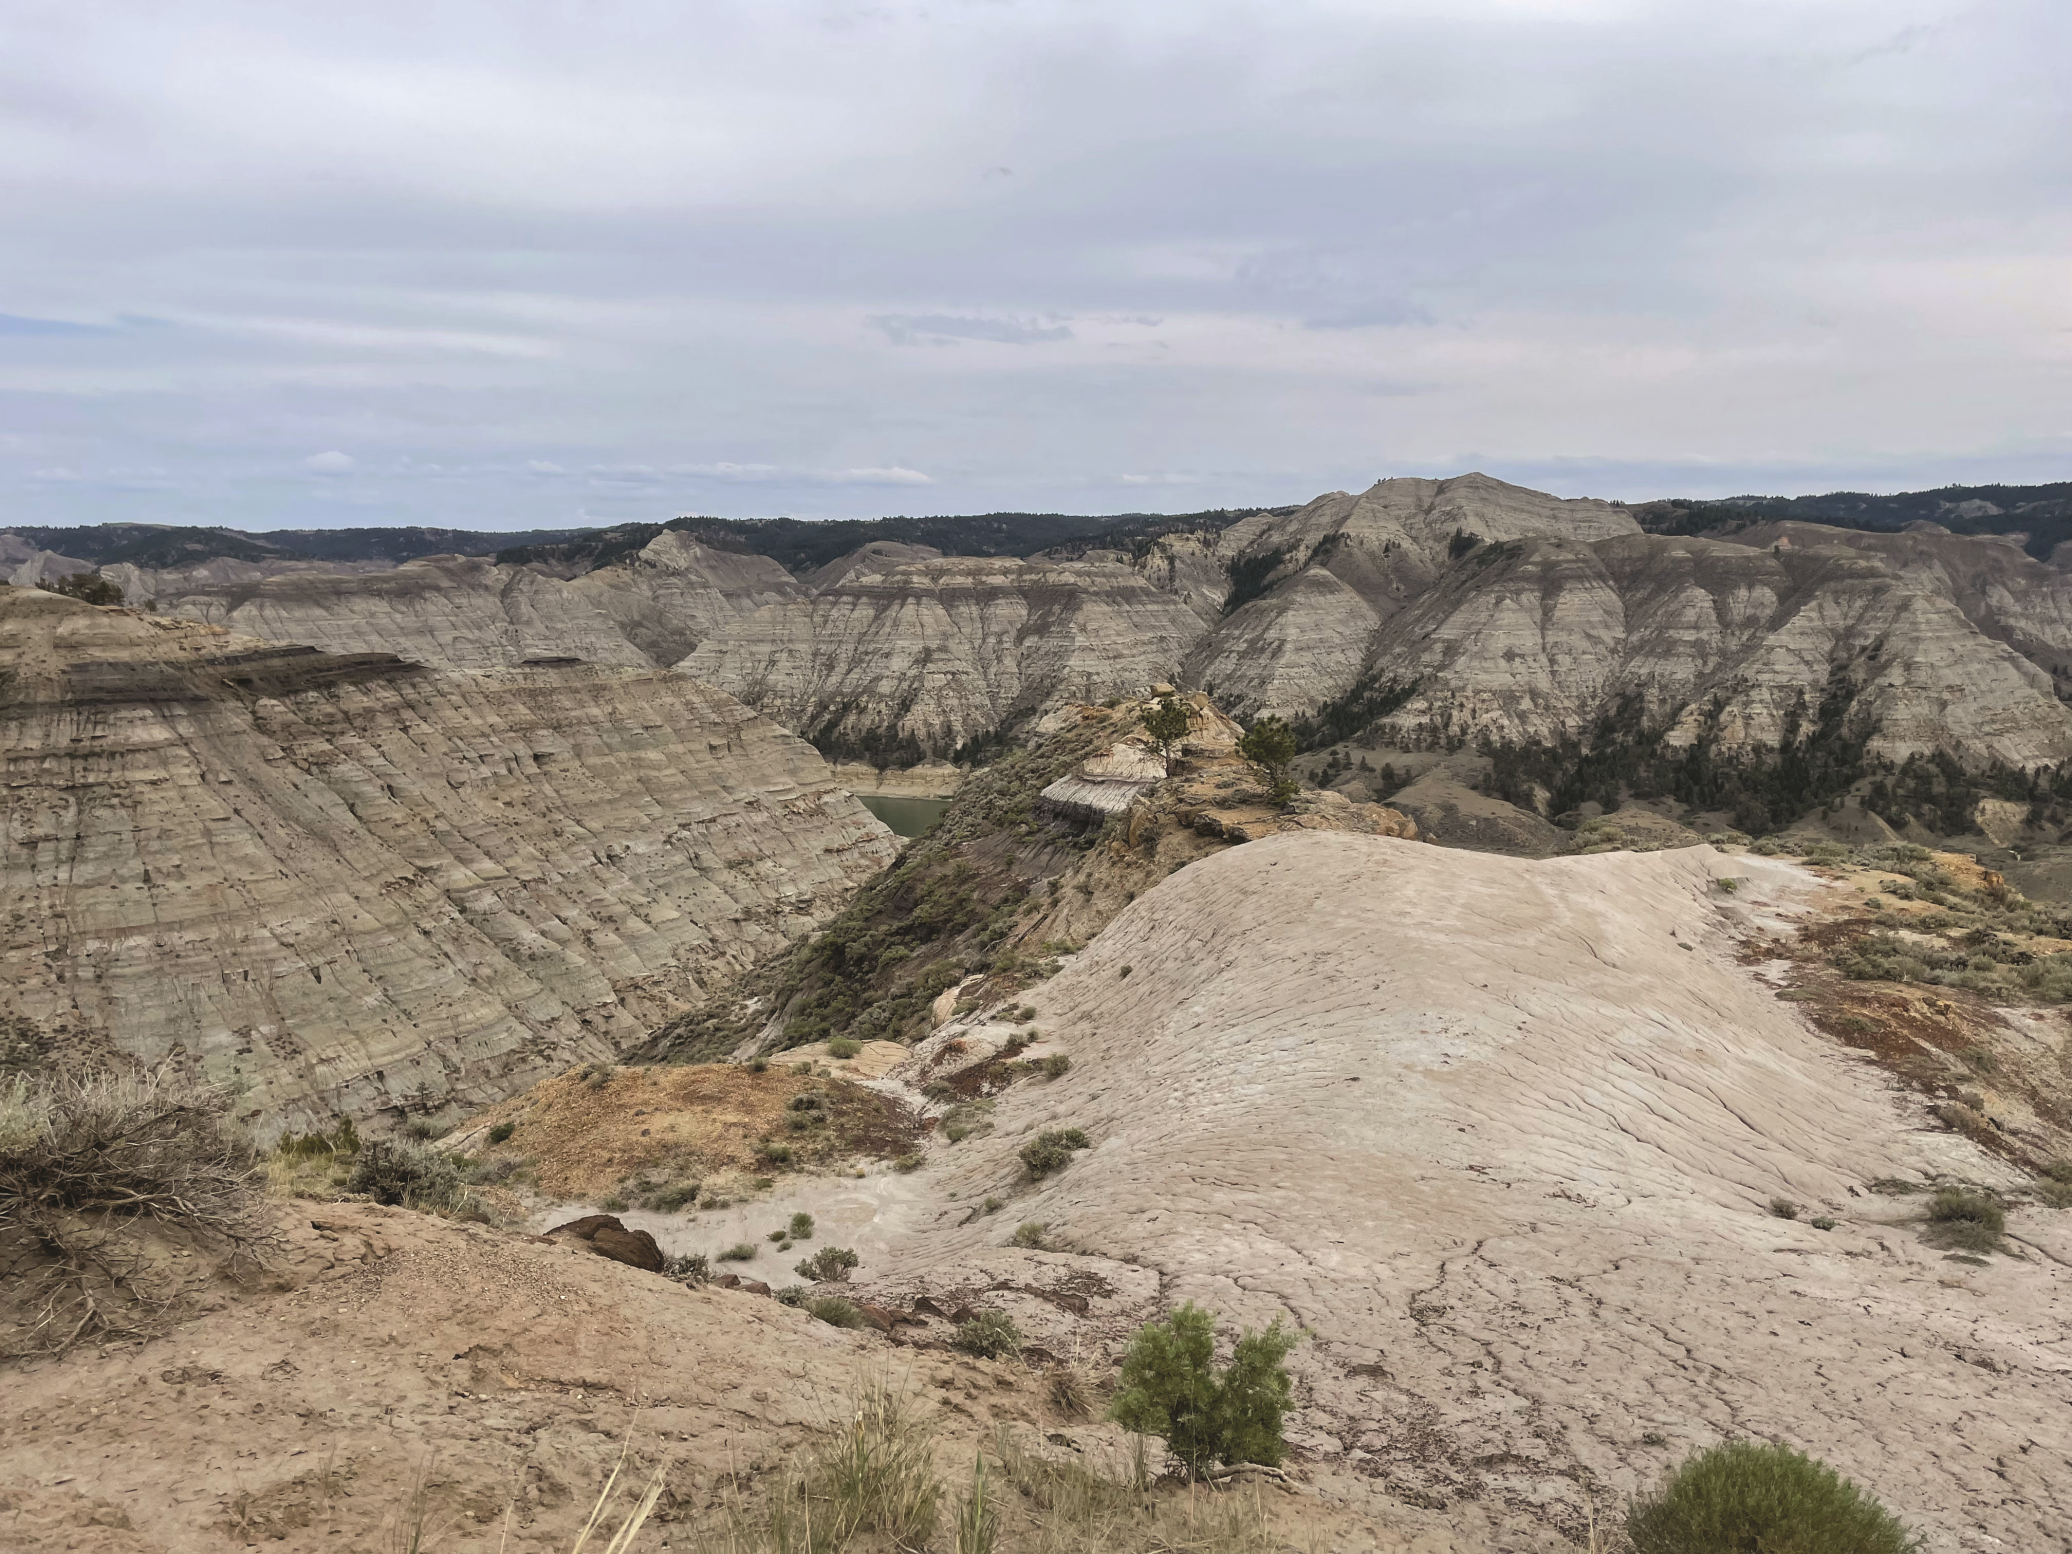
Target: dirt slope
1500,1136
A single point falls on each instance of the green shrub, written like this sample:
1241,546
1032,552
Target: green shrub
1052,1150
395,1171
791,1295
993,1205
802,1227
1967,1220
989,1335
828,1265
775,1153
740,1252
426,1129
835,1311
87,587
1055,1066
1169,1387
759,1065
844,1047
912,1161
1741,1497
597,1075
502,1131
783,1236
1783,1208
613,1204
677,1195
1029,1234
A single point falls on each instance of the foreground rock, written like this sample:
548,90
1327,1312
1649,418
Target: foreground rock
345,883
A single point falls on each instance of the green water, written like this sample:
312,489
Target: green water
906,816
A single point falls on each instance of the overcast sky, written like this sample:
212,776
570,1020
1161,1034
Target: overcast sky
537,262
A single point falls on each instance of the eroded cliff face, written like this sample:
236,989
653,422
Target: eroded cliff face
468,612
935,652
346,883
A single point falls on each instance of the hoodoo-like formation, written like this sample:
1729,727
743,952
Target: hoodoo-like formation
344,883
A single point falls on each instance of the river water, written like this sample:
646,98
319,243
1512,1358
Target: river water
905,815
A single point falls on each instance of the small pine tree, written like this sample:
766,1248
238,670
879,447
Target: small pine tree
1167,723
1270,744
1169,1388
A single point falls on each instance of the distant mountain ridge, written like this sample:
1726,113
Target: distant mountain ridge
2043,512
159,545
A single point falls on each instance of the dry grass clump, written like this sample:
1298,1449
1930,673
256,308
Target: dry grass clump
874,1480
1969,1221
874,1486
88,1164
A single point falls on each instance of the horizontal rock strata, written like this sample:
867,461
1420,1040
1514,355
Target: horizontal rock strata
344,883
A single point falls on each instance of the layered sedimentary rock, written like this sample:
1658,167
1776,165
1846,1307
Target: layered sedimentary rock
1537,638
936,652
469,612
345,882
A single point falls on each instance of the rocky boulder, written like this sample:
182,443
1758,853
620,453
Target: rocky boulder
604,1235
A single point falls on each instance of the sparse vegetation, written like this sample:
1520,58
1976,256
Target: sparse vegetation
828,1265
843,1047
674,1197
689,1268
1029,1234
85,1164
835,1311
502,1131
988,1334
1966,1220
1052,1150
1783,1208
87,587
1169,1387
1070,1393
912,1161
1055,1065
1741,1496
1270,745
1167,725
740,1252
396,1171
801,1227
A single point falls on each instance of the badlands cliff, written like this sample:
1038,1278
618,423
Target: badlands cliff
345,882
1451,610
1501,1136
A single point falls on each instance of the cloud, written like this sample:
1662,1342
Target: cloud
15,324
892,475
1634,246
948,329
331,463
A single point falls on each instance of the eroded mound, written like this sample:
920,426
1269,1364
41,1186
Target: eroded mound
1503,1137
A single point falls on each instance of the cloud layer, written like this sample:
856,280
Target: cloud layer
497,266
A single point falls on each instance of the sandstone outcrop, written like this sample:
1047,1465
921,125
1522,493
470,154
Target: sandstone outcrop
607,1237
346,883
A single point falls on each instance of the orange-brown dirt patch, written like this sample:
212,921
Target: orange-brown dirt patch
689,1122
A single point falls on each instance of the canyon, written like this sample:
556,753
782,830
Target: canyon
346,883
1419,611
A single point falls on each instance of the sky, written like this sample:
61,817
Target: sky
502,264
